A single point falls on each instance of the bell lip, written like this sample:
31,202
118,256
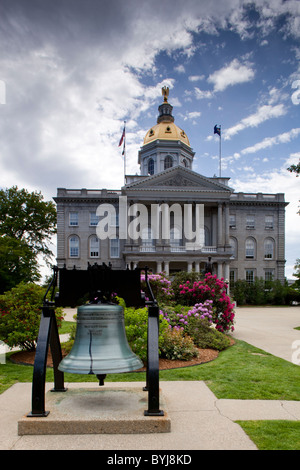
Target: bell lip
96,371
85,369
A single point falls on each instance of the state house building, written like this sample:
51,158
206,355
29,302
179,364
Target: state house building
244,234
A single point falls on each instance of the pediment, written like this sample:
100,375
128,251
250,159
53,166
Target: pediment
179,178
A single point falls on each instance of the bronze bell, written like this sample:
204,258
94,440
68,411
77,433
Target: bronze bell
100,344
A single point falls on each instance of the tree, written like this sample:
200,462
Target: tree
17,263
27,223
297,273
295,169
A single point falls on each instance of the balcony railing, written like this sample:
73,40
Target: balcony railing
149,248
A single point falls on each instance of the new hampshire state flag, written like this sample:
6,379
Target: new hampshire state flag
217,130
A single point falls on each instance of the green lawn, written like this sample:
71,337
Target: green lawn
240,372
273,435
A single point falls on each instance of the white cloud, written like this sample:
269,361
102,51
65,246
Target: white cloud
263,113
196,78
232,74
179,68
201,94
270,141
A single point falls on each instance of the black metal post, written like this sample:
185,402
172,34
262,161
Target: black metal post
48,335
153,363
152,381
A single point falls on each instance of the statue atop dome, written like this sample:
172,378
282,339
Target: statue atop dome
165,93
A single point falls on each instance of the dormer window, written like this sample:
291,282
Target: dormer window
168,163
151,166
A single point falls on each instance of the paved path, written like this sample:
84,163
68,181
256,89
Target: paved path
271,329
198,419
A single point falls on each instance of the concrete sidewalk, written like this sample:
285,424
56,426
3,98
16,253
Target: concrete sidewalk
199,421
271,329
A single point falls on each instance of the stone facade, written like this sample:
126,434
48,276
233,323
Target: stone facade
242,235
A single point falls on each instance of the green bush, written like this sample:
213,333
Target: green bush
176,345
205,336
261,292
20,312
136,326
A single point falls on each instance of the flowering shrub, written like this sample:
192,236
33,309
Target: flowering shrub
20,315
176,345
213,289
196,324
161,286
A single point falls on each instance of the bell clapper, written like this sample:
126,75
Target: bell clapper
101,378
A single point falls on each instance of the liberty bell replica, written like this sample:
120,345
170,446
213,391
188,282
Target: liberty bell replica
100,346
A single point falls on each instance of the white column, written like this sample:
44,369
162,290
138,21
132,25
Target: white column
220,224
220,271
227,224
158,267
166,263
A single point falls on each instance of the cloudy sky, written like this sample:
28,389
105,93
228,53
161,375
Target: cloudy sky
71,72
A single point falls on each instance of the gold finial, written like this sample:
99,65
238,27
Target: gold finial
165,93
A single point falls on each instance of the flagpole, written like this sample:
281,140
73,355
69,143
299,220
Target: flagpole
220,154
124,152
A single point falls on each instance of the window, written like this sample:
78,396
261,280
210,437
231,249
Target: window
233,245
207,238
168,163
250,248
269,222
74,246
114,248
151,166
232,276
73,218
175,239
94,247
147,240
250,221
114,220
269,248
269,275
232,221
94,219
250,276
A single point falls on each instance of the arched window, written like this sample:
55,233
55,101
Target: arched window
269,248
74,246
185,163
250,248
233,245
168,163
150,166
94,247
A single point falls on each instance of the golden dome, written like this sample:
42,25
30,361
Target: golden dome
166,131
